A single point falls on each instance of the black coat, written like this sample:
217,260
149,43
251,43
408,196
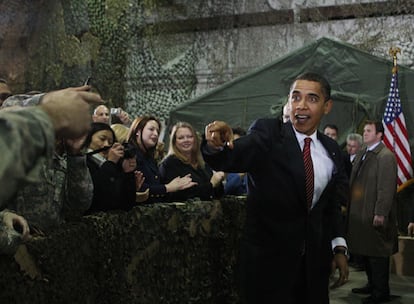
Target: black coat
172,167
112,188
279,227
149,168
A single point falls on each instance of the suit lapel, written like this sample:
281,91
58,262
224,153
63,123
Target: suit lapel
294,157
360,161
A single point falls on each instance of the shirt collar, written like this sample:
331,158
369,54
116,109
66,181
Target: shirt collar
301,137
370,148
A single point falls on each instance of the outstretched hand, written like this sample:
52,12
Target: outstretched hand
219,134
69,110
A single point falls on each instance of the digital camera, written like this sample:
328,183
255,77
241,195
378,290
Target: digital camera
129,151
115,111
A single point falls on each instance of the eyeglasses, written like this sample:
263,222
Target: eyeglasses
4,96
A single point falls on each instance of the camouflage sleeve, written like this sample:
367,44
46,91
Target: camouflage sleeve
22,100
26,138
79,187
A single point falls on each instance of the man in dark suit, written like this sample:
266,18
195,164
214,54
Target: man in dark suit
293,231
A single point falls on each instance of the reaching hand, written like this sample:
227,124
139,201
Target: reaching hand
217,178
218,134
69,110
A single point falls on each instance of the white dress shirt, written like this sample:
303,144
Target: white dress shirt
323,168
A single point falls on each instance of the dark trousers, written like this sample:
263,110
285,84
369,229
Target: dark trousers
378,273
271,276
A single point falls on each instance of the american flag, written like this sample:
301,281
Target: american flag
395,132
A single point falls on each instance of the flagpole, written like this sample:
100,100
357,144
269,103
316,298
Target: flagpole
394,51
395,130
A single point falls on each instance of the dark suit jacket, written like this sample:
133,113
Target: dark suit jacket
279,228
348,164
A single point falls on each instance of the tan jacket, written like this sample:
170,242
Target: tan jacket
373,192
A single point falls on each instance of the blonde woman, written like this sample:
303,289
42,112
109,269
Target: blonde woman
184,158
143,135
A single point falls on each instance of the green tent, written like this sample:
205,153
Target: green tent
360,85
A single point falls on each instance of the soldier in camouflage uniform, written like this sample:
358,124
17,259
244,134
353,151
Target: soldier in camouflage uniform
60,185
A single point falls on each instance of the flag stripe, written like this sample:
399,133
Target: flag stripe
395,132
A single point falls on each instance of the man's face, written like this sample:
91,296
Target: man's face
4,92
331,133
352,147
370,135
308,105
101,115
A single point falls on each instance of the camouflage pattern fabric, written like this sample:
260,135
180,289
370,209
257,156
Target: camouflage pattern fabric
22,100
64,190
26,141
59,187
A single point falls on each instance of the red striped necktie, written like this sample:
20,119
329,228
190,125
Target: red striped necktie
309,178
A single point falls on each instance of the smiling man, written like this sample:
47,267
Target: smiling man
293,227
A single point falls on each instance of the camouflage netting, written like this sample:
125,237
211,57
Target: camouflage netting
112,42
146,69
108,41
162,253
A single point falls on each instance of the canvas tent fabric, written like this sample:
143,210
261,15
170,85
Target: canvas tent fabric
360,86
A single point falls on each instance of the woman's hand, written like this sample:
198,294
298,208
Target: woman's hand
180,183
116,152
139,179
129,165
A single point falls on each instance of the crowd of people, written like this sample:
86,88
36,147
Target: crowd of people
309,204
106,162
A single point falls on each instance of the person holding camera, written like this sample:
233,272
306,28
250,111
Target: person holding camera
112,168
110,116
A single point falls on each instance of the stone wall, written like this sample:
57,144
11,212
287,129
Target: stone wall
161,253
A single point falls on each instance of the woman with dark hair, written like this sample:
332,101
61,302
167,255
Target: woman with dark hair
143,134
183,158
113,176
